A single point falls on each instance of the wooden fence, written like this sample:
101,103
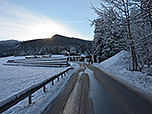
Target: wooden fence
43,62
11,101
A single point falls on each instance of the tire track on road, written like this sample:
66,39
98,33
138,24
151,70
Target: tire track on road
74,99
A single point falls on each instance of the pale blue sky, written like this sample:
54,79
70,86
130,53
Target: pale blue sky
33,19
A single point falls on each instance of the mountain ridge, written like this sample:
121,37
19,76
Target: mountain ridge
53,45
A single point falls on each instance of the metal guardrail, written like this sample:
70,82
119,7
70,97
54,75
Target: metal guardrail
11,101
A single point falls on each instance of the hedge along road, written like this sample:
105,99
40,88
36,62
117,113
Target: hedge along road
91,91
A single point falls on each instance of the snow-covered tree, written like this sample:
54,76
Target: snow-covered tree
108,38
130,21
142,33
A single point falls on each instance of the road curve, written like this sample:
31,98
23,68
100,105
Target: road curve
91,91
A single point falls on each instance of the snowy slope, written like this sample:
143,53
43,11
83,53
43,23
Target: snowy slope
113,61
116,67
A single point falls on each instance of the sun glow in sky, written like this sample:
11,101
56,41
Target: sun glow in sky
30,20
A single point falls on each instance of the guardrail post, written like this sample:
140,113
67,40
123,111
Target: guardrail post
44,89
30,99
52,82
58,79
62,75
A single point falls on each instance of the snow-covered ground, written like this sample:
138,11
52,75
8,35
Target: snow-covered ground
116,67
17,78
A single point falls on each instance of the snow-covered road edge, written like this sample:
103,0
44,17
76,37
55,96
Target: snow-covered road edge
130,86
41,106
115,67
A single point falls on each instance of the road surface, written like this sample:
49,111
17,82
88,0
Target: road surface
91,91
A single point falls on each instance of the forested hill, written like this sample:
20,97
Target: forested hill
56,40
53,45
8,44
62,40
7,47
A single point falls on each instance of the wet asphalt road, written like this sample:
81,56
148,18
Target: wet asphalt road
110,97
91,91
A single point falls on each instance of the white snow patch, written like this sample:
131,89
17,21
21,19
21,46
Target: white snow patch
113,60
14,79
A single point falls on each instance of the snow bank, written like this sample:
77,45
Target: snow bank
116,67
113,60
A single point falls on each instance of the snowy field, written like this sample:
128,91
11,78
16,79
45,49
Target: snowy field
116,67
16,78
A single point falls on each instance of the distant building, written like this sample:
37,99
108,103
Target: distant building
73,51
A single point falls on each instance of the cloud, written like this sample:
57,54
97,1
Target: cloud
19,23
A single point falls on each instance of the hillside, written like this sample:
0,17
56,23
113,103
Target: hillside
54,45
8,44
56,40
7,47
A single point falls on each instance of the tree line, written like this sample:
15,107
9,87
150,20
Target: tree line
124,24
